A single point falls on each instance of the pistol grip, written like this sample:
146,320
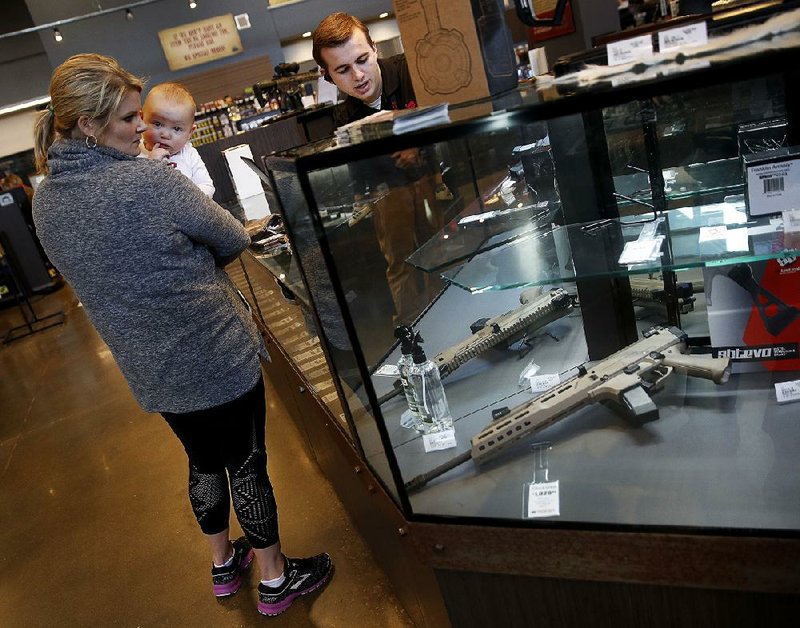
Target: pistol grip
718,370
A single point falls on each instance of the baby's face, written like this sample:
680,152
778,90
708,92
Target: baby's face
169,124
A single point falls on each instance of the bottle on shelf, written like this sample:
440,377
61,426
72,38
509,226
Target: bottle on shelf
428,392
411,418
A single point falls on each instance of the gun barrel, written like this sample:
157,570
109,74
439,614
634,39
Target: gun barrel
422,479
390,395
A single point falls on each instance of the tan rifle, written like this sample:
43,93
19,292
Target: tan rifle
536,310
623,378
649,290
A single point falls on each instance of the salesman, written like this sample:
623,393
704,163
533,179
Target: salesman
407,216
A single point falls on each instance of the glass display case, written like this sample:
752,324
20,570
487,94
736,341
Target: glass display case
557,260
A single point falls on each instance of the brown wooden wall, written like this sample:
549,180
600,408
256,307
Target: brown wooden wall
230,80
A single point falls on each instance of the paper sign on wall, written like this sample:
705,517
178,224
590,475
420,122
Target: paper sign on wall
200,42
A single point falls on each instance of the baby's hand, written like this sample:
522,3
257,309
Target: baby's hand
158,152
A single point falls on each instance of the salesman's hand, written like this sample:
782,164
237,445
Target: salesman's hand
406,158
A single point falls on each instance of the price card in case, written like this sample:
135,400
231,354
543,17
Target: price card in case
628,50
683,37
718,232
540,383
773,181
641,251
446,439
786,392
542,500
388,370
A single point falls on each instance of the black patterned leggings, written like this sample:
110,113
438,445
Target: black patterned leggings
226,446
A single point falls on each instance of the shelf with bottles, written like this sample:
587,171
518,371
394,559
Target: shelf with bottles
219,119
212,125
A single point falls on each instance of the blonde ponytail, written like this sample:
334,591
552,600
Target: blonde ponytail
89,85
43,136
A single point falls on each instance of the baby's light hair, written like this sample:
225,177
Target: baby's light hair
174,93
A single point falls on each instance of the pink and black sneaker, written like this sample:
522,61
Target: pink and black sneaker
227,580
303,575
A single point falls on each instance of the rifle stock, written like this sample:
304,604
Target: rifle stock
647,290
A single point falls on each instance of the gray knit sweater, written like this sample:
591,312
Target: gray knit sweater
143,249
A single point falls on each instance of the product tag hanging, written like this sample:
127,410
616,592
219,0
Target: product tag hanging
541,497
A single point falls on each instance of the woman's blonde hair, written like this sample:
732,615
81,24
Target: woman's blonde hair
89,85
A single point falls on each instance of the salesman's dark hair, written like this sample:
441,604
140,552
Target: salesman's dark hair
334,31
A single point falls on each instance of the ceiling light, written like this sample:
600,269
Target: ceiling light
57,34
192,4
383,15
128,14
307,34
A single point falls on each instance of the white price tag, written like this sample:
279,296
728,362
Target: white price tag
773,188
477,217
543,500
446,439
720,232
734,215
791,221
628,50
639,251
540,383
786,392
683,37
772,227
650,229
737,240
388,370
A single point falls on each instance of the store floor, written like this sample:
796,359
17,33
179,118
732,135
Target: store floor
95,525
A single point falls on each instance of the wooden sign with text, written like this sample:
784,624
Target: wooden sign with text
200,42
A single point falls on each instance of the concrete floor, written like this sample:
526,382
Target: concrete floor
95,524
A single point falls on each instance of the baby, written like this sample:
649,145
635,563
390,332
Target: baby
168,112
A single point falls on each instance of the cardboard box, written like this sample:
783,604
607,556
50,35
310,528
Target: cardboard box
465,56
754,314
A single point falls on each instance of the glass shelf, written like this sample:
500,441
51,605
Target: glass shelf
284,267
722,176
481,227
708,235
497,219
